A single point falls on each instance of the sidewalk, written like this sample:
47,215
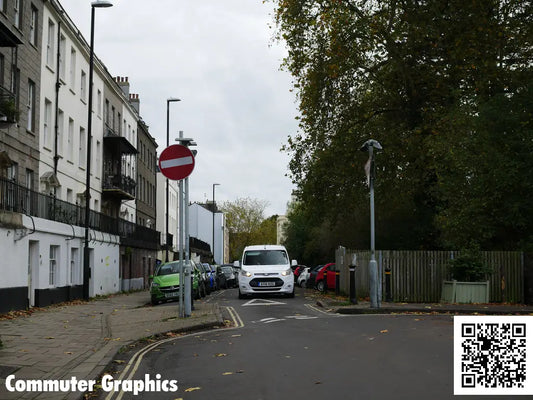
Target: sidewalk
81,339
363,307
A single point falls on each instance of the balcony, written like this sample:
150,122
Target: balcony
119,187
16,198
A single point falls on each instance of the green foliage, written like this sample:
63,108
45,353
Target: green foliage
445,87
247,225
469,267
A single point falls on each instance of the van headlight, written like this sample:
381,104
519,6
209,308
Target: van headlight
246,273
287,272
155,284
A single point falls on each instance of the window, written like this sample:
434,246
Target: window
72,72
3,5
62,49
70,140
83,85
47,123
50,44
83,149
60,130
98,159
30,124
29,185
2,69
18,13
99,103
54,266
34,32
75,272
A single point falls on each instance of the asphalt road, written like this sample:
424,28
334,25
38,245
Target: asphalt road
290,349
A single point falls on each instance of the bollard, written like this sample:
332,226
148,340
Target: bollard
388,292
337,283
325,280
353,295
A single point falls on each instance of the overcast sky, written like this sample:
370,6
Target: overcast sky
219,58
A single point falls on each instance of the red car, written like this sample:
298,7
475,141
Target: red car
329,269
298,270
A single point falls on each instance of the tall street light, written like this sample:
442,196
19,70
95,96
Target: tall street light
214,209
169,100
86,258
375,292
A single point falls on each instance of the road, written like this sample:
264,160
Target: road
290,349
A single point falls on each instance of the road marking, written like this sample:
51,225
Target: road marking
237,321
135,361
300,317
262,302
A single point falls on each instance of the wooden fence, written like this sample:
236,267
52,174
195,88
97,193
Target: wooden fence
417,276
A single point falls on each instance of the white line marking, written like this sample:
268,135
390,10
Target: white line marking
176,162
262,302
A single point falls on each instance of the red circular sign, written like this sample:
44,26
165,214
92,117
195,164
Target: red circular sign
176,162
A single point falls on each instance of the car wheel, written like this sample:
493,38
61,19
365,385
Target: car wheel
303,284
241,296
321,286
291,295
154,301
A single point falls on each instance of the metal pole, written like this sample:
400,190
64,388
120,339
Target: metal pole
187,284
180,246
86,255
167,188
372,265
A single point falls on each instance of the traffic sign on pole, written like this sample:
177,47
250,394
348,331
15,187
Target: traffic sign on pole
176,162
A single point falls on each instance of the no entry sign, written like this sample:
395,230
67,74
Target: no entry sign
176,162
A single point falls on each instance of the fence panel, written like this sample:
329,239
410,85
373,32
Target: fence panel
417,276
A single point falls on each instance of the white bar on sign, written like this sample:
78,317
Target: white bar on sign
176,162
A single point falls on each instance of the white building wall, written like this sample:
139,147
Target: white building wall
161,211
201,227
73,108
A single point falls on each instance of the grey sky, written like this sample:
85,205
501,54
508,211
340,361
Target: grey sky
219,58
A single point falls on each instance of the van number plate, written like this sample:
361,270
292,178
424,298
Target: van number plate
172,294
267,283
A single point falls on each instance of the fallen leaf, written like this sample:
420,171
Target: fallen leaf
384,331
192,389
318,383
235,335
220,355
287,356
227,373
119,361
68,352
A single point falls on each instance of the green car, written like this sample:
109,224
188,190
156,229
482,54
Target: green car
166,283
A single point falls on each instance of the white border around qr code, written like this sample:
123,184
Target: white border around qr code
465,383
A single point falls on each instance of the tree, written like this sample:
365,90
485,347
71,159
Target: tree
422,78
245,223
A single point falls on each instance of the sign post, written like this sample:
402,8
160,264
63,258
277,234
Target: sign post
176,162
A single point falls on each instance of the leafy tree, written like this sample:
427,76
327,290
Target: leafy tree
245,222
425,79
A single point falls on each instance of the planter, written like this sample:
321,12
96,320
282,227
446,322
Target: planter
465,292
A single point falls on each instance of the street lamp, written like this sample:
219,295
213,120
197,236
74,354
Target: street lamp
375,292
214,209
86,258
169,100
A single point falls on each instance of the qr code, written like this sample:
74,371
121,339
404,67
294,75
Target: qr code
491,354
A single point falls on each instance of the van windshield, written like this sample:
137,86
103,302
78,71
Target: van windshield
265,257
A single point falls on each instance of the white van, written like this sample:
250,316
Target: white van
265,269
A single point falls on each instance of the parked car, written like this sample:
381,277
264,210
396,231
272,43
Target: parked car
329,283
166,282
230,279
204,278
298,270
304,277
312,276
212,281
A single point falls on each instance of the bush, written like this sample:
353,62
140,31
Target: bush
469,267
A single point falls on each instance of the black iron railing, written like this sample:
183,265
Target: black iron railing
19,199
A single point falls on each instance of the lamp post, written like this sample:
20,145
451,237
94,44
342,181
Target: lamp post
375,292
169,100
214,209
86,255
